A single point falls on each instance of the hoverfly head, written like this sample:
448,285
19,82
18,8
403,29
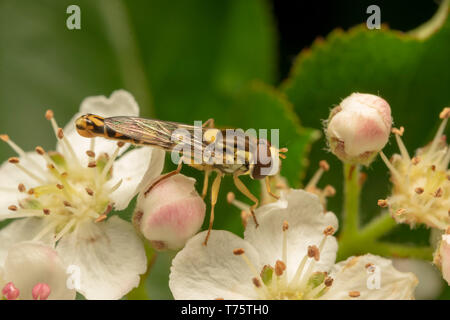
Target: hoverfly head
90,125
267,161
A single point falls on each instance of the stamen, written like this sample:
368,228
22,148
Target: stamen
329,191
438,193
323,166
41,291
20,152
21,187
46,211
419,190
110,162
390,166
92,164
89,191
313,252
383,203
398,133
354,294
12,208
16,162
59,133
90,154
284,250
444,116
256,282
116,186
65,229
231,199
241,252
280,267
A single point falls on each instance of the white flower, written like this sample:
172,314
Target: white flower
66,196
421,188
30,265
291,255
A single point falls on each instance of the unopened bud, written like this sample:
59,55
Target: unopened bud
41,291
359,128
171,213
10,292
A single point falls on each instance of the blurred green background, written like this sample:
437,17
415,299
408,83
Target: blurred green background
248,64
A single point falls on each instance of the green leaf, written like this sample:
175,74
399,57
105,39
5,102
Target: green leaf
412,74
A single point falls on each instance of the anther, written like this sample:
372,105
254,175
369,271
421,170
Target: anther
49,114
14,160
92,164
256,282
400,211
324,165
60,186
4,137
46,211
280,266
40,151
445,113
415,160
120,144
89,191
67,203
433,167
438,193
368,265
313,252
90,153
329,231
238,252
12,208
328,281
31,191
60,133
329,191
419,190
354,294
21,187
382,203
285,225
398,131
230,197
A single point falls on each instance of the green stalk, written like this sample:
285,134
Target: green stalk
352,191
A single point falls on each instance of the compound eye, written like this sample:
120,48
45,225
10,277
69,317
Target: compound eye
263,160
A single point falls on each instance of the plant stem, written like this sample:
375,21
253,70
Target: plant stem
351,204
378,227
400,251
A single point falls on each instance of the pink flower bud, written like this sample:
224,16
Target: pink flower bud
359,128
41,291
171,213
10,292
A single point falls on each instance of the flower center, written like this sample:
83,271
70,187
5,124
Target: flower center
273,283
67,193
421,184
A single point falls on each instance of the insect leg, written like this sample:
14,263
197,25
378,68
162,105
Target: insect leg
268,188
205,183
209,123
165,176
214,193
242,188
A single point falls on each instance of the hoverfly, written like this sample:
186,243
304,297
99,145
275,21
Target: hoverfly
194,141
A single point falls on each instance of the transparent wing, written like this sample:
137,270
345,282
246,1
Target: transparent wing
163,134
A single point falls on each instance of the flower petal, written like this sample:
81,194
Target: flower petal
120,103
430,281
30,263
110,257
18,231
307,221
373,277
137,168
213,271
